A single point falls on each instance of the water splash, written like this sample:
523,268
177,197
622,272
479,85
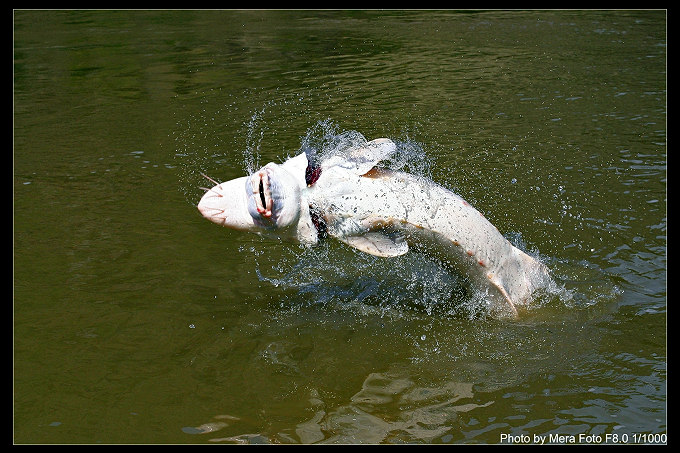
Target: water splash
341,278
326,139
336,275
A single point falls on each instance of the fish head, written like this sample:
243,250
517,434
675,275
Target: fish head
267,200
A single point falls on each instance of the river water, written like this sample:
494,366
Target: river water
137,321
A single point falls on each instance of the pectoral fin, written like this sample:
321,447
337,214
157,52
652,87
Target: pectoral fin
378,243
362,159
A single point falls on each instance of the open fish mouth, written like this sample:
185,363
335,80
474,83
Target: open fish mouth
261,190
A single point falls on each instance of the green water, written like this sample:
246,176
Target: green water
137,321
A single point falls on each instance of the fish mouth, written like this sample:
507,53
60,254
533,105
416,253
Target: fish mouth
262,192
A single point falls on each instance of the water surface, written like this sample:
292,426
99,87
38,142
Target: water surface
137,321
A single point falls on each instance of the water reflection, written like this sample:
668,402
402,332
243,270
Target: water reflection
416,414
389,408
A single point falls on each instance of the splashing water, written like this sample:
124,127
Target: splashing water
338,276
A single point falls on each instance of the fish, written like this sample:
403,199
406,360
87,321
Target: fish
347,196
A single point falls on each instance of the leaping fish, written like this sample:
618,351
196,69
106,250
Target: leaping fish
378,211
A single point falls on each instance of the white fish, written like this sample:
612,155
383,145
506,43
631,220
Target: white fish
377,211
